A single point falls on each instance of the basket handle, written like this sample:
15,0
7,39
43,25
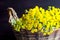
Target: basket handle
12,14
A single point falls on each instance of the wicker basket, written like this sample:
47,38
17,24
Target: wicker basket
24,34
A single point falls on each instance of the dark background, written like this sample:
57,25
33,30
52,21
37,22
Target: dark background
6,32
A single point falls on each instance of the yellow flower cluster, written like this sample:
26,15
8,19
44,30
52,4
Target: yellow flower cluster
40,20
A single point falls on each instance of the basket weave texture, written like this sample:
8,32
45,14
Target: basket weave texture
26,35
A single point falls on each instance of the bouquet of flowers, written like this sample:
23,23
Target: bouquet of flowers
38,20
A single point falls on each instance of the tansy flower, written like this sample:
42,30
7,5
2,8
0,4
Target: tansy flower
40,26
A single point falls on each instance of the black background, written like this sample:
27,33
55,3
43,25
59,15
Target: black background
6,32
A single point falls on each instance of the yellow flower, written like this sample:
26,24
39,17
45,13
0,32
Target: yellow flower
52,13
37,8
35,30
35,25
57,26
48,25
41,8
54,23
58,17
48,33
51,31
20,19
32,31
23,27
42,30
40,26
29,27
44,33
44,21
